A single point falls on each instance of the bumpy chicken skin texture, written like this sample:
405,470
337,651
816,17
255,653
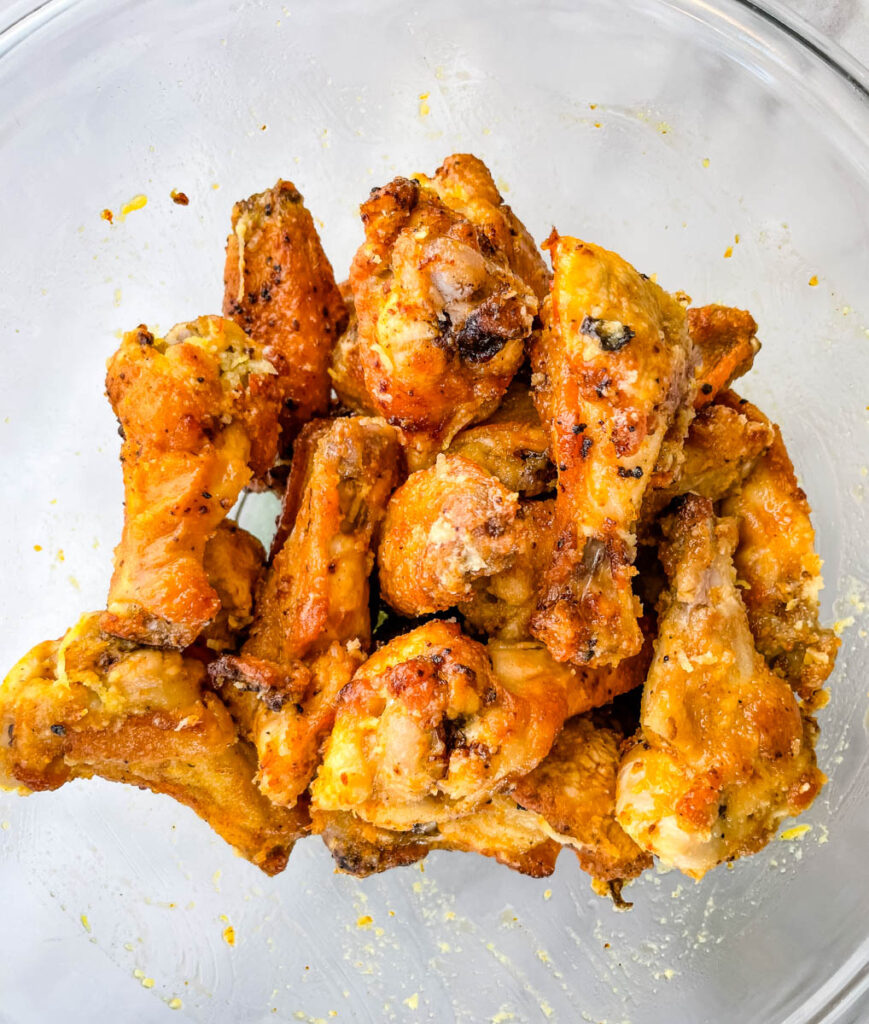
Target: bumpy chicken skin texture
500,829
722,447
724,752
445,527
198,414
312,620
234,561
613,374
92,704
777,560
574,789
279,287
427,731
512,445
346,371
725,341
446,288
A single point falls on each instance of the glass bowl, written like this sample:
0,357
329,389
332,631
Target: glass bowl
709,142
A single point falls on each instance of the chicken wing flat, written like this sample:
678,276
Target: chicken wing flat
613,378
721,449
346,371
234,561
446,286
512,445
198,414
312,621
445,527
724,752
574,789
725,341
427,731
280,288
779,567
92,704
510,835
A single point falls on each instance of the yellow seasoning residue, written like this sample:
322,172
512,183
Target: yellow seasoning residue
175,1004
797,832
136,203
412,1001
547,894
138,973
117,297
107,215
37,547
592,106
85,923
728,252
365,921
424,108
147,982
597,124
736,239
215,879
705,161
5,826
663,127
813,280
229,935
60,556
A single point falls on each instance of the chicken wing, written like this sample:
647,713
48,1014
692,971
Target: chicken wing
234,561
346,372
510,835
725,341
574,789
427,731
724,752
512,445
613,378
502,603
198,414
778,566
722,447
445,527
446,286
312,621
280,288
92,704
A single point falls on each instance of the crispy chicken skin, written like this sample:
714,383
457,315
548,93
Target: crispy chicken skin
613,378
312,620
92,704
427,731
509,834
234,561
512,445
574,789
725,341
502,603
776,559
722,447
197,412
446,285
445,527
724,752
345,371
279,287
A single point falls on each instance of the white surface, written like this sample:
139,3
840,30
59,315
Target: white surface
109,100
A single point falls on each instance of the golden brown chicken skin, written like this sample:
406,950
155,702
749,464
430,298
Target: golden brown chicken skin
197,412
779,567
346,371
500,829
446,286
445,527
92,704
512,445
312,622
725,342
574,789
427,731
280,288
613,375
724,752
722,447
234,562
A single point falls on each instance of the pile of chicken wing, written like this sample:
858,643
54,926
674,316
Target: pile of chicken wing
540,578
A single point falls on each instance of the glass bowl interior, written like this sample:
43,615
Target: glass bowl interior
702,141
